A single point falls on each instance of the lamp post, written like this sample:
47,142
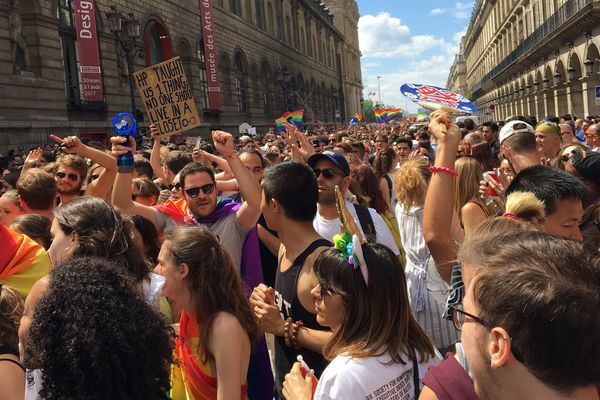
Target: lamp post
379,89
129,47
283,78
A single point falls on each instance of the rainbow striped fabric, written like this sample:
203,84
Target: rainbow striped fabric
22,261
385,115
356,119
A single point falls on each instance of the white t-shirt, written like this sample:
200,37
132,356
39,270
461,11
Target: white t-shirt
370,378
327,228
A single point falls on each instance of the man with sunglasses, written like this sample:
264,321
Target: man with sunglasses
332,170
72,168
592,137
230,221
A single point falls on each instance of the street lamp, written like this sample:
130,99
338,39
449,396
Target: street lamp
129,47
589,67
283,78
571,73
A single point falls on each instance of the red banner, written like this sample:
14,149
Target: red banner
87,50
211,56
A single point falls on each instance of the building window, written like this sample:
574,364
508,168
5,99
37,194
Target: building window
235,7
264,76
240,84
158,44
67,35
260,14
203,77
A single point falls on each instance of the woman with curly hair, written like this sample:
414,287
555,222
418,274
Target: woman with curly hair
94,337
217,326
383,165
12,373
378,349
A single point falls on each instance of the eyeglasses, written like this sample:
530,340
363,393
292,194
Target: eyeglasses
72,177
584,225
458,317
328,173
206,189
94,177
176,186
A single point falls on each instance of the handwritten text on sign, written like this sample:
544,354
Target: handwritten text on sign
167,96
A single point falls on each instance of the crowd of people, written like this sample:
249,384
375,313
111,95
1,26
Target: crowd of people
433,260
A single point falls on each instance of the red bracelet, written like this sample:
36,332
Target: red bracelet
447,170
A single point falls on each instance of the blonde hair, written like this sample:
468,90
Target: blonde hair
411,182
466,186
526,207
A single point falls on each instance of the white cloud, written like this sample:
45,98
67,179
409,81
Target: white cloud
431,67
462,10
384,36
438,11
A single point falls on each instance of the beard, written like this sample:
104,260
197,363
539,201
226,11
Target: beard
66,191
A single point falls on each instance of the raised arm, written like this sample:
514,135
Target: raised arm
439,202
101,186
121,193
155,154
205,157
249,212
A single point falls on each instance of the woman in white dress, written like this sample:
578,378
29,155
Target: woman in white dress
427,291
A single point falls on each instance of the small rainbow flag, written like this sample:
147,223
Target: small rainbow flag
22,261
295,117
379,113
279,123
422,117
394,113
356,119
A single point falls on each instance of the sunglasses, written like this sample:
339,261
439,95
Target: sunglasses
206,189
176,186
328,173
72,177
95,176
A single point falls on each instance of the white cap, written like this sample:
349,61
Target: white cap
509,129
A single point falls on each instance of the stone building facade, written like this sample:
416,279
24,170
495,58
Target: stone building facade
533,57
273,55
457,78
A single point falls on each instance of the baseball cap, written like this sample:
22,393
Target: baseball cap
336,158
513,127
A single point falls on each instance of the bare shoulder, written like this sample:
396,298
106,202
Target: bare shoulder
226,325
12,379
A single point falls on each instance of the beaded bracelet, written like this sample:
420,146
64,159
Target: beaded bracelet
447,170
294,337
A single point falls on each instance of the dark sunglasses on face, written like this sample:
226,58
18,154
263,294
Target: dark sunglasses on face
328,173
324,290
206,189
176,186
72,177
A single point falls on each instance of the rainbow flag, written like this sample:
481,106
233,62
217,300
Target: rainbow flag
422,117
295,117
379,114
22,261
394,113
279,124
356,119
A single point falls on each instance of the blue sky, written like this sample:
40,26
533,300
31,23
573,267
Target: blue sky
408,41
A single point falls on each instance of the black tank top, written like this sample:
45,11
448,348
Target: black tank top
289,305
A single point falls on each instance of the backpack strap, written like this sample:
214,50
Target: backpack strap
416,383
366,222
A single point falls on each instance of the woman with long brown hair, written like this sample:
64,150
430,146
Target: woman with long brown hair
471,210
377,348
217,327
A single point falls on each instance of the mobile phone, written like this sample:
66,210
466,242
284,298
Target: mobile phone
198,142
486,177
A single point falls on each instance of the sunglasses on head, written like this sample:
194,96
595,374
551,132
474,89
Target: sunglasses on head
206,189
72,177
328,173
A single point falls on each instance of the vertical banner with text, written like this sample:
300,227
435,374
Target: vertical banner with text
210,54
87,50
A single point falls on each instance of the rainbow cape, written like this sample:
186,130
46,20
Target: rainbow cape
22,261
